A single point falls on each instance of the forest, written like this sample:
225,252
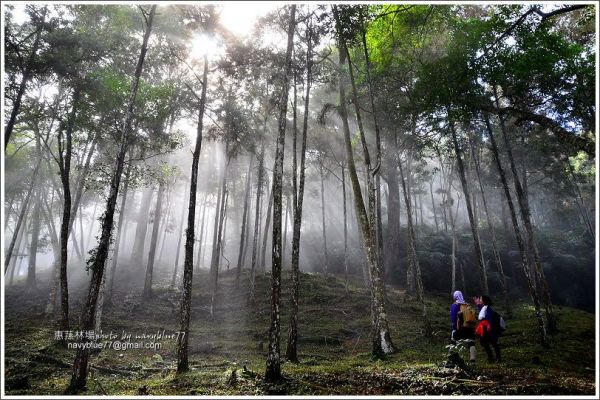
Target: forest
284,199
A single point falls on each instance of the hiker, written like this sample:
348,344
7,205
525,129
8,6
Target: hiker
489,328
463,319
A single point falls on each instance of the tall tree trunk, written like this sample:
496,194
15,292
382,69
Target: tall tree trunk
91,228
219,221
65,176
526,217
179,236
203,229
392,249
454,245
412,242
243,229
98,259
115,255
137,253
263,260
285,229
17,266
54,276
188,261
583,210
382,343
497,258
381,340
257,217
411,284
483,284
378,224
325,255
81,251
80,186
518,236
13,260
21,217
147,292
345,229
297,202
435,219
165,227
31,282
273,368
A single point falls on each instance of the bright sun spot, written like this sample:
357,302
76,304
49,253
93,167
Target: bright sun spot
205,45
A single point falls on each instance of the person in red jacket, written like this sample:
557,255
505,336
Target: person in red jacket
486,330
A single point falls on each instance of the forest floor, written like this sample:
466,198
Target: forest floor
228,349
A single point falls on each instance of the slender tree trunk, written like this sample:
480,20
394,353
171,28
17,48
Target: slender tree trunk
583,210
13,261
392,249
91,228
115,256
413,256
31,282
497,258
165,227
285,229
98,259
54,277
243,229
518,236
273,368
21,217
379,224
526,217
217,241
263,260
483,284
345,229
454,245
325,255
17,266
411,284
81,251
188,261
79,188
248,224
137,253
147,292
203,229
257,218
382,343
435,219
381,340
179,236
65,174
297,203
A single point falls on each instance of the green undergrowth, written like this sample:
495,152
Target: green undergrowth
228,348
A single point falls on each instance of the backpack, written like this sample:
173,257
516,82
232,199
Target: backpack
498,323
468,314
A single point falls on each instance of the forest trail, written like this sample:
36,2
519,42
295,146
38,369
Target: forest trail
227,351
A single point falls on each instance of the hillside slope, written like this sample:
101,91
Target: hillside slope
228,350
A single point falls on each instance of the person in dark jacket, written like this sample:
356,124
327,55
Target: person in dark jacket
459,331
489,330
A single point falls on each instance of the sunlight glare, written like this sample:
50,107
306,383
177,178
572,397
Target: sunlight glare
205,45
240,17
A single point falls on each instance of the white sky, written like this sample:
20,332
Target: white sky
239,17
